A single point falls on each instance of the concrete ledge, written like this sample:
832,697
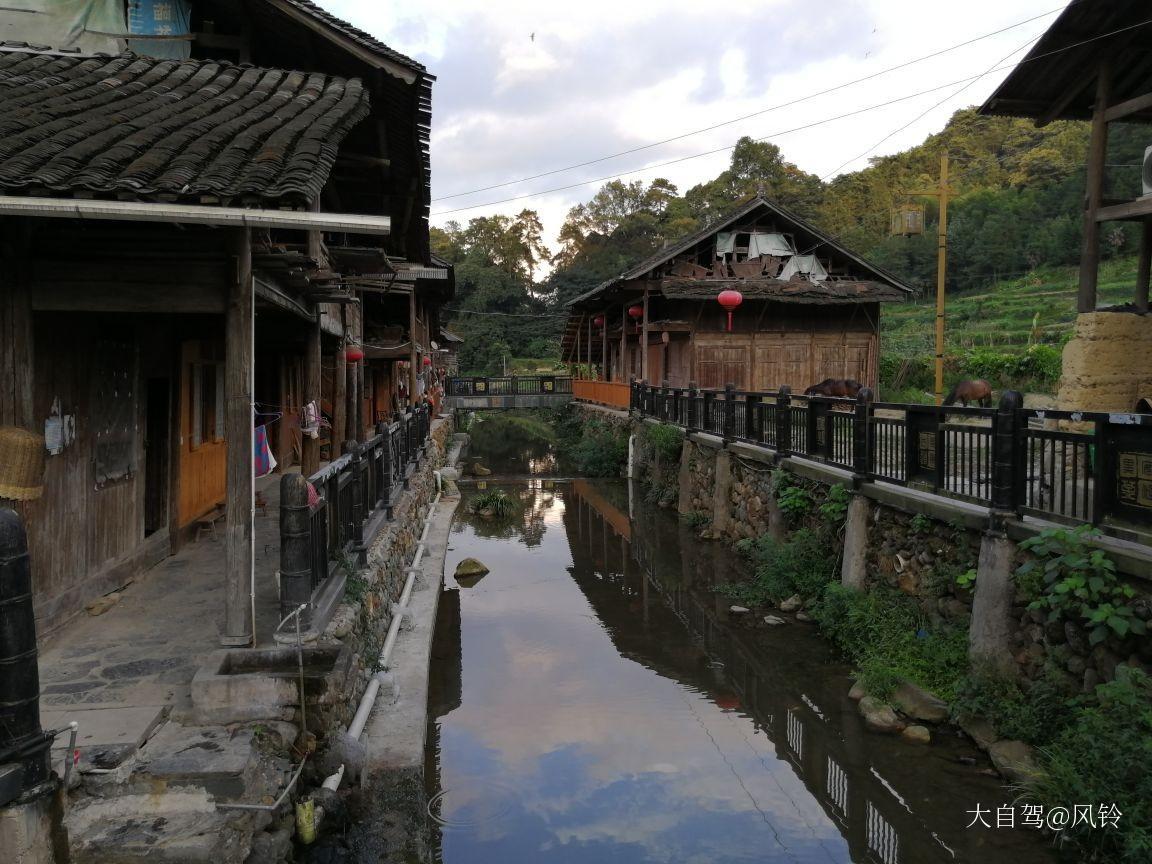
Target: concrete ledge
707,439
395,734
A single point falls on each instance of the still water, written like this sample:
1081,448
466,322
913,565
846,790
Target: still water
592,701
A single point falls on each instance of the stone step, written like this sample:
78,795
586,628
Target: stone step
181,827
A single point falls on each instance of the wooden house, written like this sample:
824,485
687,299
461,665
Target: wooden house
1093,64
809,310
189,250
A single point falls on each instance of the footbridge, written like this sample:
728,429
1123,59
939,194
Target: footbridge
533,391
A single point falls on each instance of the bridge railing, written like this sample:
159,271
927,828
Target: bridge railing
325,521
614,394
511,385
1065,466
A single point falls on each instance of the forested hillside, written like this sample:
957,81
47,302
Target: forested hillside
1016,212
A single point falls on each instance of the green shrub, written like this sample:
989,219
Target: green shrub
803,564
835,506
1081,583
494,501
794,500
882,629
698,519
1102,758
599,450
1031,711
665,441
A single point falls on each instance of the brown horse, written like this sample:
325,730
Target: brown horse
976,390
844,387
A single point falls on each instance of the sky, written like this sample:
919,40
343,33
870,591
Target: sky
525,88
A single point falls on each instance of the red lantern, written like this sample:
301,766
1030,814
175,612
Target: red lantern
730,300
354,353
427,361
637,312
598,320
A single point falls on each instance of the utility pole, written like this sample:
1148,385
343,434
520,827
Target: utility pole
942,192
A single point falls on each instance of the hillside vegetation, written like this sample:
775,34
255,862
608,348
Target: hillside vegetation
1010,332
1014,229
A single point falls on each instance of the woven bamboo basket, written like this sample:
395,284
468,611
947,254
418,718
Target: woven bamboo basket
21,464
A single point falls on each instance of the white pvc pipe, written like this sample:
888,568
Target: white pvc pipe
332,782
368,700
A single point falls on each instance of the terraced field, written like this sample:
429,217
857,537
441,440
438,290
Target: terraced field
1008,316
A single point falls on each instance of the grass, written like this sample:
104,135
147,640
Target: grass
1010,315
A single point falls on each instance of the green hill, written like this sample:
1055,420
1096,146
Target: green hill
1010,332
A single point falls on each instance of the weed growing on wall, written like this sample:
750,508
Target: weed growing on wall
590,446
882,632
803,564
794,499
1081,584
664,440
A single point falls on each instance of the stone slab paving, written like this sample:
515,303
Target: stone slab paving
115,673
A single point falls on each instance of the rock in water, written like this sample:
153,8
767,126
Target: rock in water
917,734
480,471
774,620
469,572
1014,760
878,716
791,604
738,610
919,704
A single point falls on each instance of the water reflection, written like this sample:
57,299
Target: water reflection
592,703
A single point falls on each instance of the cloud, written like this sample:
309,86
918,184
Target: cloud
602,76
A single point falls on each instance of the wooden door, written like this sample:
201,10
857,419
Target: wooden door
719,365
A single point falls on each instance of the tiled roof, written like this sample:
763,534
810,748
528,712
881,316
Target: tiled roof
170,130
354,33
784,291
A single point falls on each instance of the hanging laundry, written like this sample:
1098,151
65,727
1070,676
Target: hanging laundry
310,420
264,461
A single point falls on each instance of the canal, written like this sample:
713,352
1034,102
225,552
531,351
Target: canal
593,699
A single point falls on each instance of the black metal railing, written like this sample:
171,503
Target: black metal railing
511,385
1067,466
343,498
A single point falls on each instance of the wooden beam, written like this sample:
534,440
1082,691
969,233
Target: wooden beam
1144,270
624,343
239,321
1127,211
1094,191
127,298
310,447
1057,108
1128,107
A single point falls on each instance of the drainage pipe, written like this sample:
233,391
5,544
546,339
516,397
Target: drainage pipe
368,701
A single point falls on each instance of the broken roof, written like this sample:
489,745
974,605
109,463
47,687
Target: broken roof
190,130
808,239
343,28
1055,80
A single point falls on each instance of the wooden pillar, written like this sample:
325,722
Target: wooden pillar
412,353
16,359
624,366
579,330
591,372
1145,269
239,322
604,340
310,447
644,340
1094,193
340,390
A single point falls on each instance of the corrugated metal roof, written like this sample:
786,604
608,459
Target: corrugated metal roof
170,130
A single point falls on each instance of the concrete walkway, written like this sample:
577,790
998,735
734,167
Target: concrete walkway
120,673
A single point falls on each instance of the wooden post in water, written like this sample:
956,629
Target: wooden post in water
239,628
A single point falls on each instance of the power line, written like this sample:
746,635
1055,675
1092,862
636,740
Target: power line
759,113
927,111
796,129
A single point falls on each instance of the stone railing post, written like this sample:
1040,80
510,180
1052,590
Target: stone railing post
784,420
862,437
1005,450
729,411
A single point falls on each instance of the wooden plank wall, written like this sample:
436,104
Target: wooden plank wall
84,540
